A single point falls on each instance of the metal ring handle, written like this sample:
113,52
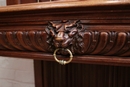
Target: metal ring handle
63,62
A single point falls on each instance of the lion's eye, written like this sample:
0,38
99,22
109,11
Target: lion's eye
52,32
72,33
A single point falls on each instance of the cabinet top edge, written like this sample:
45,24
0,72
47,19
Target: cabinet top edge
60,5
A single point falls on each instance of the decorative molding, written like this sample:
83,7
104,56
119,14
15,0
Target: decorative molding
71,34
23,41
74,35
65,34
106,43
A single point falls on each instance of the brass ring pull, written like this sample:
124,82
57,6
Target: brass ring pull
63,62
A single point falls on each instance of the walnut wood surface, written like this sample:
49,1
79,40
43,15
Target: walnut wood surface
87,41
85,75
23,41
86,59
106,27
76,36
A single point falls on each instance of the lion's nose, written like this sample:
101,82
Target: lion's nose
59,36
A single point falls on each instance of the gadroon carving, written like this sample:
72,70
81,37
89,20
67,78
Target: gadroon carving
74,35
65,34
23,41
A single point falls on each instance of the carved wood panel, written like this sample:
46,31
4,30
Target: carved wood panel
23,41
75,35
85,75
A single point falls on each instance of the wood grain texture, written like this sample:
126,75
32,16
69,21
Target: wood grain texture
85,59
38,72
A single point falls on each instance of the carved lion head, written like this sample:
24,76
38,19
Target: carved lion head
63,34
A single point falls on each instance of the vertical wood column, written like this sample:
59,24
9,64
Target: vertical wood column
84,75
38,71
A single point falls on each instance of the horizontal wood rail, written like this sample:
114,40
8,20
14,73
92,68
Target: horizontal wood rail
61,5
86,59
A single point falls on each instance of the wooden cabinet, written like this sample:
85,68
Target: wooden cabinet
96,33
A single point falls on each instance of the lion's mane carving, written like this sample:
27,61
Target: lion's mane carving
65,34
